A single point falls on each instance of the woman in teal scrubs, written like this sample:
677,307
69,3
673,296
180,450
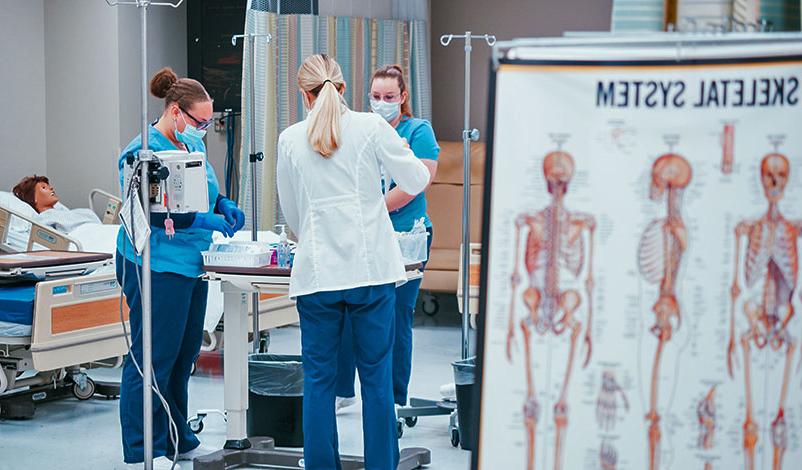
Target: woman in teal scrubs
390,99
178,292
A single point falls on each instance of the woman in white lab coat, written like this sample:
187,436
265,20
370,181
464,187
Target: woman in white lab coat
347,262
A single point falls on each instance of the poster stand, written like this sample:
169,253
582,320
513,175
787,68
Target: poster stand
566,381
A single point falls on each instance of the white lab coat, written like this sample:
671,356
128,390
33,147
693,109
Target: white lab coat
336,207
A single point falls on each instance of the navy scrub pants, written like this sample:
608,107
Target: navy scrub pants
178,309
406,296
370,311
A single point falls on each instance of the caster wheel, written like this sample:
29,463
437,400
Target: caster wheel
86,392
195,425
400,428
411,421
430,306
455,437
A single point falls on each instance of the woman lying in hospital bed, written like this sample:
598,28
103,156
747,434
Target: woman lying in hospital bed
34,200
40,195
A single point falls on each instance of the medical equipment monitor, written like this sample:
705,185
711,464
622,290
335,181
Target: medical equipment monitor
178,182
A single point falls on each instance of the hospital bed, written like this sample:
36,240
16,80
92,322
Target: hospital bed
55,322
60,320
20,232
54,354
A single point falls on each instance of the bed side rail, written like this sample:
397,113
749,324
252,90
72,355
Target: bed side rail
38,236
110,203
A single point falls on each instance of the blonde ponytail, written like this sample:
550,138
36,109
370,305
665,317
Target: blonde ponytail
321,76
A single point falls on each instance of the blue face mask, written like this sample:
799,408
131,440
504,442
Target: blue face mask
389,111
191,133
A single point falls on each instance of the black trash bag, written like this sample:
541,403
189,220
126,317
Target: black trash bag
276,375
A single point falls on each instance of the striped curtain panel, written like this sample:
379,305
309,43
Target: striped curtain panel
697,15
782,14
360,46
647,15
637,15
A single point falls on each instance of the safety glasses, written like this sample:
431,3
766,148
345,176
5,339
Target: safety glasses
201,125
385,98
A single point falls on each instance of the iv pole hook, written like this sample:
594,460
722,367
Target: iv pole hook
145,3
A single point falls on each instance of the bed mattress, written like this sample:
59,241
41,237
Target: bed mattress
16,310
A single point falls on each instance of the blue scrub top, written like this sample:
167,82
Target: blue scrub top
181,254
420,135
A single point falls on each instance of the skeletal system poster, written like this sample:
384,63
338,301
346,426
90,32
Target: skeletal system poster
643,268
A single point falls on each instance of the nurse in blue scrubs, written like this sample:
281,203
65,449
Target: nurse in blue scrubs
178,293
347,262
390,99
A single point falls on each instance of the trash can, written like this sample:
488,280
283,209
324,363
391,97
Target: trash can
276,397
464,379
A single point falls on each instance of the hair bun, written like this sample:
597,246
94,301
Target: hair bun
161,83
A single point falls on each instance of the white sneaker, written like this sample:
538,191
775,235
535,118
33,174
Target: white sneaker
199,451
343,402
448,392
163,463
160,463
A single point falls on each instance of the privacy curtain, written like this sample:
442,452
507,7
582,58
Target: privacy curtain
647,15
360,46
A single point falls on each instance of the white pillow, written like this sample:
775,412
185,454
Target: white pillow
11,202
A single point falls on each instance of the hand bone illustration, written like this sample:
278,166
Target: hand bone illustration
607,402
608,456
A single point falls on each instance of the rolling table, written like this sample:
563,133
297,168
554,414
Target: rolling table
237,285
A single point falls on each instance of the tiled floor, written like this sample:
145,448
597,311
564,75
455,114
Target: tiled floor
69,434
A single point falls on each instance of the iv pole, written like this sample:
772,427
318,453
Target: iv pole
145,156
468,135
253,157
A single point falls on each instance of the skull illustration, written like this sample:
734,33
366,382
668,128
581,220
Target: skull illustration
558,167
669,171
774,172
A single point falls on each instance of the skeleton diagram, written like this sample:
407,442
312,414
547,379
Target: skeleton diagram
661,248
706,414
554,242
772,262
607,402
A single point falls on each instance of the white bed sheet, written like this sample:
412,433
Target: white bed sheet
14,329
99,238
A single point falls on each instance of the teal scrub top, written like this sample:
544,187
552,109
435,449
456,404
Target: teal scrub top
181,254
420,136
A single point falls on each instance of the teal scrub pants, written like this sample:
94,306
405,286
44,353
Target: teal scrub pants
370,311
406,296
178,309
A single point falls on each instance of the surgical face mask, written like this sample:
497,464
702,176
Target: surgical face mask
191,133
389,111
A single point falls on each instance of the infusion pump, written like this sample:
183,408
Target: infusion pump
177,182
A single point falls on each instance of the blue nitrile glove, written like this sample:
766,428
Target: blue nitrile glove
231,212
215,222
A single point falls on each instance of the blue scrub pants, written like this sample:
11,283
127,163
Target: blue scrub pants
370,311
178,309
406,296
